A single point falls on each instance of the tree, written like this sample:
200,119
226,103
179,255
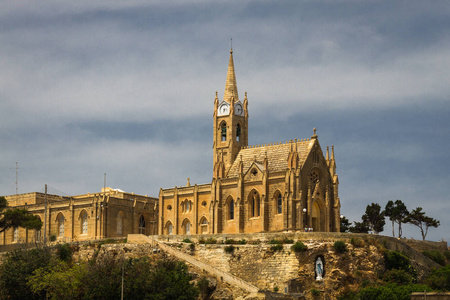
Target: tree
374,217
397,213
17,217
417,217
345,224
359,227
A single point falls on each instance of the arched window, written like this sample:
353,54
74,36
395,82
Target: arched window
254,208
84,222
119,222
204,226
223,132
142,225
170,228
61,225
238,132
16,235
279,204
187,227
231,210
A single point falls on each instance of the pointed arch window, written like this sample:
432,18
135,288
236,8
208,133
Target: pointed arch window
170,228
142,225
61,225
223,132
84,222
254,209
16,235
231,210
238,132
279,204
119,222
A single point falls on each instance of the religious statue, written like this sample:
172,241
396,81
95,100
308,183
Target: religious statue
319,268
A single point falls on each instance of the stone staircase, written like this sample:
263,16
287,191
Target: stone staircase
227,277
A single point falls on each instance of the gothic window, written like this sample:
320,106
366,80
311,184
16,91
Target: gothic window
142,225
119,222
314,176
223,132
84,222
16,235
279,204
254,208
61,225
204,226
170,228
187,227
238,132
231,209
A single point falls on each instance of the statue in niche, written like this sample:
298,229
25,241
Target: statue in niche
319,269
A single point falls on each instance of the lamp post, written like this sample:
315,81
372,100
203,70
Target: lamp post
305,222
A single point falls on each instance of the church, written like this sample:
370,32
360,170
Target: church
289,186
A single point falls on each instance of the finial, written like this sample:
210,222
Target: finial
216,94
314,130
188,182
314,135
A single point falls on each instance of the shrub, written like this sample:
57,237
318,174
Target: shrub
356,242
447,254
398,277
205,288
435,255
229,249
230,241
396,260
211,241
242,242
274,242
187,241
275,289
315,292
277,247
287,241
52,238
440,279
201,241
340,247
299,247
64,252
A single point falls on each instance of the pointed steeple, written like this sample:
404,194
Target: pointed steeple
230,85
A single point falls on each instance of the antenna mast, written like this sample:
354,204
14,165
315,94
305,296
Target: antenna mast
17,177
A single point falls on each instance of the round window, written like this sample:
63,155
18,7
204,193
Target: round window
169,207
204,203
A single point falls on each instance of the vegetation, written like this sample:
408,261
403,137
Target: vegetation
205,288
435,255
37,274
357,242
440,279
418,218
187,241
229,249
397,213
340,247
374,218
299,247
396,260
345,224
359,227
12,218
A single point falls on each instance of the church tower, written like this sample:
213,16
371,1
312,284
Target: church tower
230,124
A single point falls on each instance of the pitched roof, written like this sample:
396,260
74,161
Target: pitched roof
277,156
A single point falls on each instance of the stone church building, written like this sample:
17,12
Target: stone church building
262,188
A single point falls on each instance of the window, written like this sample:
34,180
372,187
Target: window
142,225
188,228
223,132
61,225
238,132
16,235
279,204
231,209
254,204
119,223
170,228
204,226
84,223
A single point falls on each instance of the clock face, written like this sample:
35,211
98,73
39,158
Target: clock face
224,109
238,109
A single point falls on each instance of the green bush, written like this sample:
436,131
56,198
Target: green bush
447,254
398,277
340,247
230,242
315,292
287,241
277,247
211,241
229,249
299,247
205,288
201,241
390,291
64,252
242,242
435,255
274,242
187,241
356,242
398,261
440,279
52,238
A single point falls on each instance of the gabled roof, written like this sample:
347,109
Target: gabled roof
277,156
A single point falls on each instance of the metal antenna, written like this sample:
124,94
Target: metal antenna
231,43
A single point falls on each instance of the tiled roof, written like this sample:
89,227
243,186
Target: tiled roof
277,156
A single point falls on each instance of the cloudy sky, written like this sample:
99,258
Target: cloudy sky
127,88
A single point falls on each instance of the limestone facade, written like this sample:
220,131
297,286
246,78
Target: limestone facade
108,214
262,188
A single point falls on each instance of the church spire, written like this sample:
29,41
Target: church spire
230,85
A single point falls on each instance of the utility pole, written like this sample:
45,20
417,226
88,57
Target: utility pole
45,217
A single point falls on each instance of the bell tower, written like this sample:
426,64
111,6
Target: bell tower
230,124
